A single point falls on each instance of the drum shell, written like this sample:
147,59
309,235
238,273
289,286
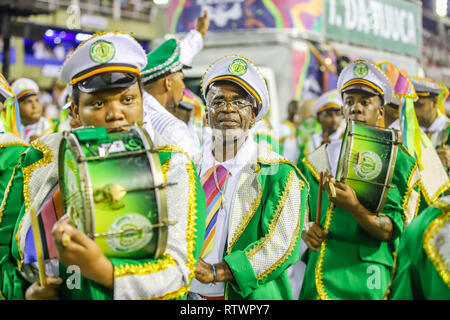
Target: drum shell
143,207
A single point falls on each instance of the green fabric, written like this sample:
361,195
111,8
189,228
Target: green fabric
276,284
10,281
14,288
354,265
416,277
271,142
163,60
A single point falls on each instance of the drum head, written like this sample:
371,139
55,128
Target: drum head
108,187
366,162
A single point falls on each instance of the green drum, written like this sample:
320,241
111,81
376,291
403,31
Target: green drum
366,162
113,189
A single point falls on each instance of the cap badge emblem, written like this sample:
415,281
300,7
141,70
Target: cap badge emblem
102,51
360,70
238,67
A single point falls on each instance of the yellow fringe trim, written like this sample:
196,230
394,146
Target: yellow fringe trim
319,273
167,261
441,267
273,223
47,157
8,187
248,215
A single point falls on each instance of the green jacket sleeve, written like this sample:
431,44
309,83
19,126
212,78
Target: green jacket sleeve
267,256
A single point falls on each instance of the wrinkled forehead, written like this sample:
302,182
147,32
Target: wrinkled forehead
226,88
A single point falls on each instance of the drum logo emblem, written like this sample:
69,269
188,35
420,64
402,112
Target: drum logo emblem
367,165
360,70
129,233
102,51
238,67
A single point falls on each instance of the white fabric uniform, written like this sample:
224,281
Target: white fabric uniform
438,125
291,150
234,167
40,128
170,128
316,139
190,46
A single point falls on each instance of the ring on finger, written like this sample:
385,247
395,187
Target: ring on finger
65,239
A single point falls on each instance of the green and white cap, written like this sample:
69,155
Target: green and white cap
243,72
110,59
365,76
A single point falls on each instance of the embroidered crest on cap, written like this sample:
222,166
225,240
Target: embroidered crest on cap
238,67
102,51
360,70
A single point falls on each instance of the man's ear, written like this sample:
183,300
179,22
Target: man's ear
381,112
167,82
75,113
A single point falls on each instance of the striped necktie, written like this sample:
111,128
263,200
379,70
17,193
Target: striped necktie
213,202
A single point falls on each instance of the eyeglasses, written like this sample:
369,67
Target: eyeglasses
239,104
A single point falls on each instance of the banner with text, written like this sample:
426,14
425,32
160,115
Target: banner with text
382,24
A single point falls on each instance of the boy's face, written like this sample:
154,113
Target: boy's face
110,108
30,110
330,120
363,106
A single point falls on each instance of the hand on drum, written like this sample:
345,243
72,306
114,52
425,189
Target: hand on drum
314,236
49,292
343,196
75,248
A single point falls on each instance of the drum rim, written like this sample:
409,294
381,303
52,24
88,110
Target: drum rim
161,195
88,202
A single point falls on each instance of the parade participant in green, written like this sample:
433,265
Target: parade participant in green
11,147
34,124
256,199
431,115
423,256
350,251
104,73
400,114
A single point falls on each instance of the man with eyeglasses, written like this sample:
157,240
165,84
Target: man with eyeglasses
256,199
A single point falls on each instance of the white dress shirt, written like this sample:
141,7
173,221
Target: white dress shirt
170,128
317,138
234,167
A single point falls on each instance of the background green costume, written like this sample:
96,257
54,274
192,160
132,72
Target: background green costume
351,264
258,255
37,156
10,150
421,272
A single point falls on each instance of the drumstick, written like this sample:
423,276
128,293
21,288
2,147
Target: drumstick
319,201
38,246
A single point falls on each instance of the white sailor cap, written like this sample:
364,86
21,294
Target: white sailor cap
329,100
110,59
365,76
243,72
424,86
24,87
5,89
